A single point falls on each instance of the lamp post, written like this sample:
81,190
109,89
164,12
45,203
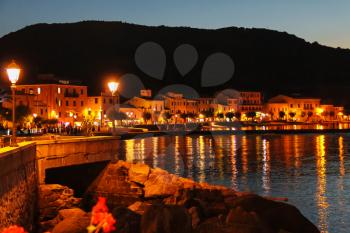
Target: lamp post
13,71
113,87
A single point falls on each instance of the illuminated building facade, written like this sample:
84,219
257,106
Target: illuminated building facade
250,101
62,101
301,109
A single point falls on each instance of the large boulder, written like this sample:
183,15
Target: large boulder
216,225
53,198
139,207
115,185
166,219
278,216
161,184
72,224
70,213
127,220
138,173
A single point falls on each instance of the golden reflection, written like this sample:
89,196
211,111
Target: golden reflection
287,149
129,150
341,156
219,155
155,154
244,156
296,142
201,159
233,162
322,183
258,147
266,166
179,148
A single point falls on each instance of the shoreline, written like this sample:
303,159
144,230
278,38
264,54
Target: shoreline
132,135
144,199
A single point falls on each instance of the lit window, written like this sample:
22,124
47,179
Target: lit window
59,90
39,90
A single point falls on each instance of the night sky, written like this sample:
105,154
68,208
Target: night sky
325,21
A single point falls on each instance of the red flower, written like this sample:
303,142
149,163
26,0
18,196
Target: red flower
101,218
14,229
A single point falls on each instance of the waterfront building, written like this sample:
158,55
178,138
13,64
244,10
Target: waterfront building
329,112
61,100
250,101
284,107
206,104
177,104
145,103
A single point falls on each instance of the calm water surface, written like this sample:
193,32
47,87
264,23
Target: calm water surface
312,170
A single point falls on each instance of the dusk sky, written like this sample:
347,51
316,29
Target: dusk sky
325,21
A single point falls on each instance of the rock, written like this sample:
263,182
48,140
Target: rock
195,216
139,173
53,198
114,184
166,219
127,220
72,225
69,213
276,215
161,184
216,225
139,207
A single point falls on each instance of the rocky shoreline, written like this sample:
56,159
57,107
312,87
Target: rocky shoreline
146,200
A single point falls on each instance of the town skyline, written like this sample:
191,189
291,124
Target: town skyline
70,103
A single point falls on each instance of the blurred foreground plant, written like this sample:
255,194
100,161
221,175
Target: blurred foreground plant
14,229
101,219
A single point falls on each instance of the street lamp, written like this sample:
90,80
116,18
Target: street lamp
13,72
113,87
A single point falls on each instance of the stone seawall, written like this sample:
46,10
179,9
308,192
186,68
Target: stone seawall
74,151
18,186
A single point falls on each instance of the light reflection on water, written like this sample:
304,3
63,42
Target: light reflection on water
312,170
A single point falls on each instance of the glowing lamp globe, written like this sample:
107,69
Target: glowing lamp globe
113,87
13,71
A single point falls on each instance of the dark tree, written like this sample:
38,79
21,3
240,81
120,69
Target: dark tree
146,116
251,115
282,114
167,116
292,115
220,115
230,115
238,115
